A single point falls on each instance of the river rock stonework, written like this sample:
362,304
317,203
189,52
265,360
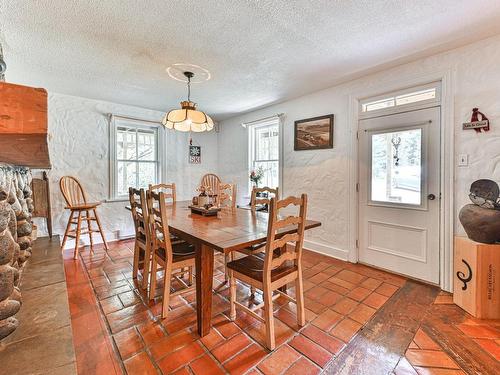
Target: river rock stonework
16,206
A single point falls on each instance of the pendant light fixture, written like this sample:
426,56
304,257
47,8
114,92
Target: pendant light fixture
188,118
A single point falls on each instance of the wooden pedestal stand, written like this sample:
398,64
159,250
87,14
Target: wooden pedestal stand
476,285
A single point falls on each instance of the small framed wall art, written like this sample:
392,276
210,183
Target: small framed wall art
195,154
314,133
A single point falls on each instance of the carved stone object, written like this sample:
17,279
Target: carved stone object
481,224
481,220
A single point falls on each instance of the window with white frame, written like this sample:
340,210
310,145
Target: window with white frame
264,151
135,155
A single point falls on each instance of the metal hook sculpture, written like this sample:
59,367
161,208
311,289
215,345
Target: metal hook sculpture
396,141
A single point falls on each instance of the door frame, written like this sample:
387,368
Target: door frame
447,210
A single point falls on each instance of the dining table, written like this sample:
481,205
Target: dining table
230,230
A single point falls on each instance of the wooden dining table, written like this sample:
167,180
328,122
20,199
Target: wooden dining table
232,229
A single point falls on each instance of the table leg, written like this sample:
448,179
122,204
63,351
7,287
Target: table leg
204,277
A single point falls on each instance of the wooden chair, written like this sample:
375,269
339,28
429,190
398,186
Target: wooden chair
143,240
168,189
274,268
254,201
227,199
212,181
76,202
169,256
227,195
260,200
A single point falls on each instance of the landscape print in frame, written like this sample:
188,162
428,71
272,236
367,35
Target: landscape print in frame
314,133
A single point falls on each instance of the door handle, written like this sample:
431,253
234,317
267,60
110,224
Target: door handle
431,197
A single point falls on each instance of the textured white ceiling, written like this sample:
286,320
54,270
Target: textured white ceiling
258,52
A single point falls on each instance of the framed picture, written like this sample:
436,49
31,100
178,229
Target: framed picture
314,133
195,154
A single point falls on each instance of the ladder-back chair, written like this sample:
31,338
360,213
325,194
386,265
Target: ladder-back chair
227,195
227,199
171,257
143,240
261,196
81,211
274,268
168,189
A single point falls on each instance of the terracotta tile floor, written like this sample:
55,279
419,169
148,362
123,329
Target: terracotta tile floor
117,330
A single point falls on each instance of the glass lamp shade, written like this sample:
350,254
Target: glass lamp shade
188,119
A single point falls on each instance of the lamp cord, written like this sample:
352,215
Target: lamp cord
189,89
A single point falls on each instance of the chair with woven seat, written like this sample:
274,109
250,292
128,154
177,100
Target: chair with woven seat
274,268
143,240
170,257
81,211
211,181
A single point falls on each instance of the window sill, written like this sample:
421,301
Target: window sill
113,200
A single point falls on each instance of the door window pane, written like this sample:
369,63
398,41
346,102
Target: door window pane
396,165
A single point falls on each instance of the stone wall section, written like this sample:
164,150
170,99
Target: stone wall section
16,206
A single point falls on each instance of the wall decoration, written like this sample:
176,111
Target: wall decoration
475,123
195,154
314,133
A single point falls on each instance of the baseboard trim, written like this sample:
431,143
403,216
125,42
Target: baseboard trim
85,241
331,251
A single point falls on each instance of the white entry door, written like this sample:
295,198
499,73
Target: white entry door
399,193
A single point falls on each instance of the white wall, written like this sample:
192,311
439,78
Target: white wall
324,174
78,146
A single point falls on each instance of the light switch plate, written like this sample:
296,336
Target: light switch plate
463,160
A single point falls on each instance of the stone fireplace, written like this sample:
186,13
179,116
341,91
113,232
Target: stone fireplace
23,145
16,207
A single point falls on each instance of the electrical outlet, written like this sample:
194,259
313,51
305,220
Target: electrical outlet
463,160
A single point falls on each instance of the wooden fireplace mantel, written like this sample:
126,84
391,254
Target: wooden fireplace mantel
23,126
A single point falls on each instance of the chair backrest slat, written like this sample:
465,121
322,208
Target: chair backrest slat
292,226
256,200
72,191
